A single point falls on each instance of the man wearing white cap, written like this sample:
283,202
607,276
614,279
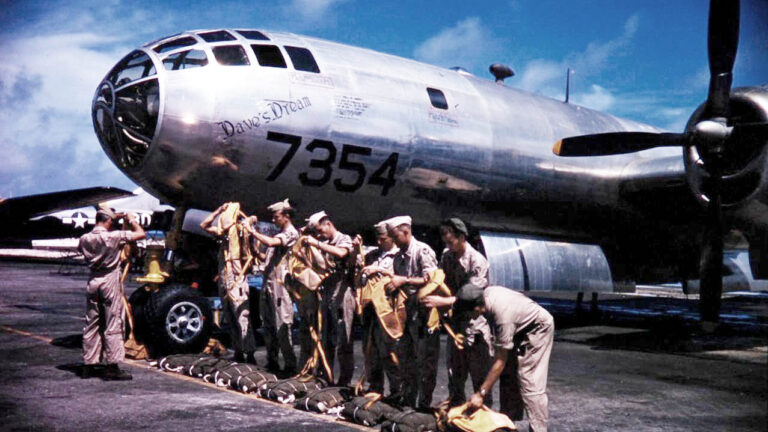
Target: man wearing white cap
276,305
377,345
103,333
412,266
338,300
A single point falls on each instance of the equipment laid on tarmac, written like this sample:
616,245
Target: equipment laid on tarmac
288,390
254,381
323,399
225,377
368,410
410,420
481,420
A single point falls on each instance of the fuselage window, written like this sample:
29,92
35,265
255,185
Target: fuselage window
437,98
134,66
216,36
176,43
231,55
185,60
302,59
269,55
252,35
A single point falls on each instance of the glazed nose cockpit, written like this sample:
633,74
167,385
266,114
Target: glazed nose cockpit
125,109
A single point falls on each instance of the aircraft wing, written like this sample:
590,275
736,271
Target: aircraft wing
26,207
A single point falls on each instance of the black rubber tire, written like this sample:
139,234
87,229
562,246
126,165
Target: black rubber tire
138,301
168,301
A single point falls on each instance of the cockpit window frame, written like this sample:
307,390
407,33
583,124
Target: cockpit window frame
265,55
255,35
182,61
302,59
129,62
244,54
180,42
214,36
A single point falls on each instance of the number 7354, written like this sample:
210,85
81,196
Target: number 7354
321,169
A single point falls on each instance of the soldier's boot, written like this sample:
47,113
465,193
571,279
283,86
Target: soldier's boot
114,373
91,371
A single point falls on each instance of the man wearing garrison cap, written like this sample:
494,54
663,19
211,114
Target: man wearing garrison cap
338,301
275,303
378,360
412,266
463,265
524,332
103,332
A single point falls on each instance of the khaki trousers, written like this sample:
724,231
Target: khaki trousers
377,346
473,361
277,334
236,309
103,331
523,383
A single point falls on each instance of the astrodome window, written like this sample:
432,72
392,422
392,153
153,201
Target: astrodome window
252,35
302,59
231,55
135,65
176,43
185,60
269,56
216,36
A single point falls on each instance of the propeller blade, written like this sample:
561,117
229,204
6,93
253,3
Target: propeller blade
711,263
722,43
613,143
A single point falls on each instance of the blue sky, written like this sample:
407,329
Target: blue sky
644,60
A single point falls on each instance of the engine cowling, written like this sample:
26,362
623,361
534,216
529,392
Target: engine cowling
745,164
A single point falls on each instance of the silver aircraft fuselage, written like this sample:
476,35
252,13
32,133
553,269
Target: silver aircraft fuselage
364,136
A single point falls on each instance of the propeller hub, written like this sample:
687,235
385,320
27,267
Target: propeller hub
711,134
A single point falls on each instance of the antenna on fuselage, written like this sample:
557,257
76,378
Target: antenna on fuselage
568,84
501,72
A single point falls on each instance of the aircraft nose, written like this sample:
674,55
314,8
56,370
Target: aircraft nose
125,109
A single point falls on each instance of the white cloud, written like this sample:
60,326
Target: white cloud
464,44
597,98
548,77
313,10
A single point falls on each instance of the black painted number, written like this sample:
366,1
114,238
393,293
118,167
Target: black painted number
324,164
357,167
294,142
385,180
384,175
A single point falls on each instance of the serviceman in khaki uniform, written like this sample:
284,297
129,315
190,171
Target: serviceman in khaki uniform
233,291
103,332
412,266
464,265
338,298
524,333
276,305
377,356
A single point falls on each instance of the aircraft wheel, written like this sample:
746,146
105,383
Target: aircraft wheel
176,319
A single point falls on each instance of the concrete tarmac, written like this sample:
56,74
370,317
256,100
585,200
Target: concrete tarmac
609,372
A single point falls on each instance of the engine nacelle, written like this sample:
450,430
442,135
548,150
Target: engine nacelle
526,264
745,166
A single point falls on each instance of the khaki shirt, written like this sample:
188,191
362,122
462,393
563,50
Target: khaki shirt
101,248
381,258
337,282
512,311
415,260
471,267
288,237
